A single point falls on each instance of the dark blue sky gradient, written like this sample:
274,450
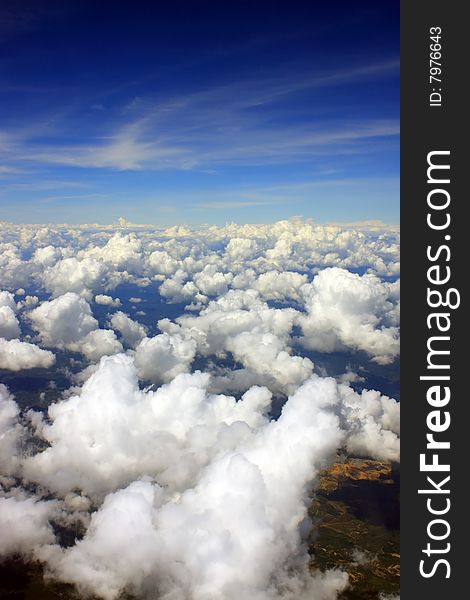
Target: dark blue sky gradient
199,111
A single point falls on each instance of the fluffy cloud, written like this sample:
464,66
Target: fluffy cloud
161,358
178,289
25,525
11,433
256,335
211,282
67,323
98,343
160,262
72,275
28,302
373,423
92,447
179,426
346,310
9,325
16,356
64,321
15,271
7,299
123,252
212,492
98,258
241,248
46,256
280,286
131,331
107,300
264,355
181,487
198,494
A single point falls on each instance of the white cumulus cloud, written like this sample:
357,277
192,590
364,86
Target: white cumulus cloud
16,356
67,323
346,310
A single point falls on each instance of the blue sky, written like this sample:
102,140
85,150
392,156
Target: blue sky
199,112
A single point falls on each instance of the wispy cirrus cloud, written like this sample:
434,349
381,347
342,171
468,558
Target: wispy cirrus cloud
74,197
220,125
39,185
6,170
183,149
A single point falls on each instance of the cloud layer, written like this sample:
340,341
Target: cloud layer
162,457
213,492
